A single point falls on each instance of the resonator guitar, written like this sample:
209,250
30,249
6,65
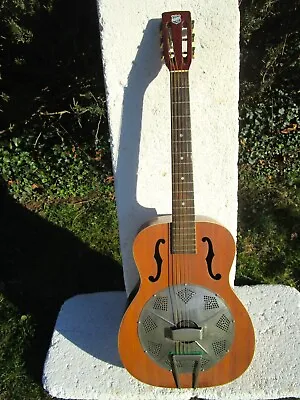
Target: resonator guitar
185,327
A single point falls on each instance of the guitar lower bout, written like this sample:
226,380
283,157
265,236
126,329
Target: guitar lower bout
185,326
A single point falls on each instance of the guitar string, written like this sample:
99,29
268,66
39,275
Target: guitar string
178,131
184,229
184,109
183,186
189,167
179,191
174,266
186,166
183,146
178,222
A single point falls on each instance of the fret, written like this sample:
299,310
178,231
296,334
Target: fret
184,172
182,178
189,214
183,233
188,246
187,243
184,182
180,95
185,191
182,200
177,181
184,251
178,169
184,228
183,207
179,119
177,222
185,163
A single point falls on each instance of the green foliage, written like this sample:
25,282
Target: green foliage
269,233
93,220
268,148
52,87
60,172
53,138
270,44
269,154
16,332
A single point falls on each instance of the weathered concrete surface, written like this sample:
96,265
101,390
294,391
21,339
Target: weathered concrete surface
83,361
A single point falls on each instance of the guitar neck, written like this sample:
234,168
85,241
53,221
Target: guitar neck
183,236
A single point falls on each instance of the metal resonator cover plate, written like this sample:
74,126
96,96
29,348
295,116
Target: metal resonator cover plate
188,322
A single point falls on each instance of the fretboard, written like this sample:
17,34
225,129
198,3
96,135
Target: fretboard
183,237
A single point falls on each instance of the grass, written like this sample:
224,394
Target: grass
268,233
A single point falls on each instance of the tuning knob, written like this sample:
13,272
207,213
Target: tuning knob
193,52
193,24
193,37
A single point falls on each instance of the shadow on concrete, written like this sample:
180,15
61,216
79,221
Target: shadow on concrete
92,323
145,68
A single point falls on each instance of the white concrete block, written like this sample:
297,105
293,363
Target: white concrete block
137,86
83,361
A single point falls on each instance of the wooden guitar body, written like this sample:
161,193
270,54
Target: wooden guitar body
185,326
159,269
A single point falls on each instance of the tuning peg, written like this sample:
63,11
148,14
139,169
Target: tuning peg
193,37
193,24
193,52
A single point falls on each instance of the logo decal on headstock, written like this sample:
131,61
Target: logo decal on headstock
176,19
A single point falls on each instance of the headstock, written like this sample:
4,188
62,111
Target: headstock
176,39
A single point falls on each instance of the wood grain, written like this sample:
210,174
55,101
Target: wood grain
185,268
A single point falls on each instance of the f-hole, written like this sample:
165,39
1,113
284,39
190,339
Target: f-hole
158,260
209,258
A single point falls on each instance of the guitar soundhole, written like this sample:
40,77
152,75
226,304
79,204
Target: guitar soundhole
154,348
158,260
219,347
185,295
161,303
149,324
223,323
210,303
